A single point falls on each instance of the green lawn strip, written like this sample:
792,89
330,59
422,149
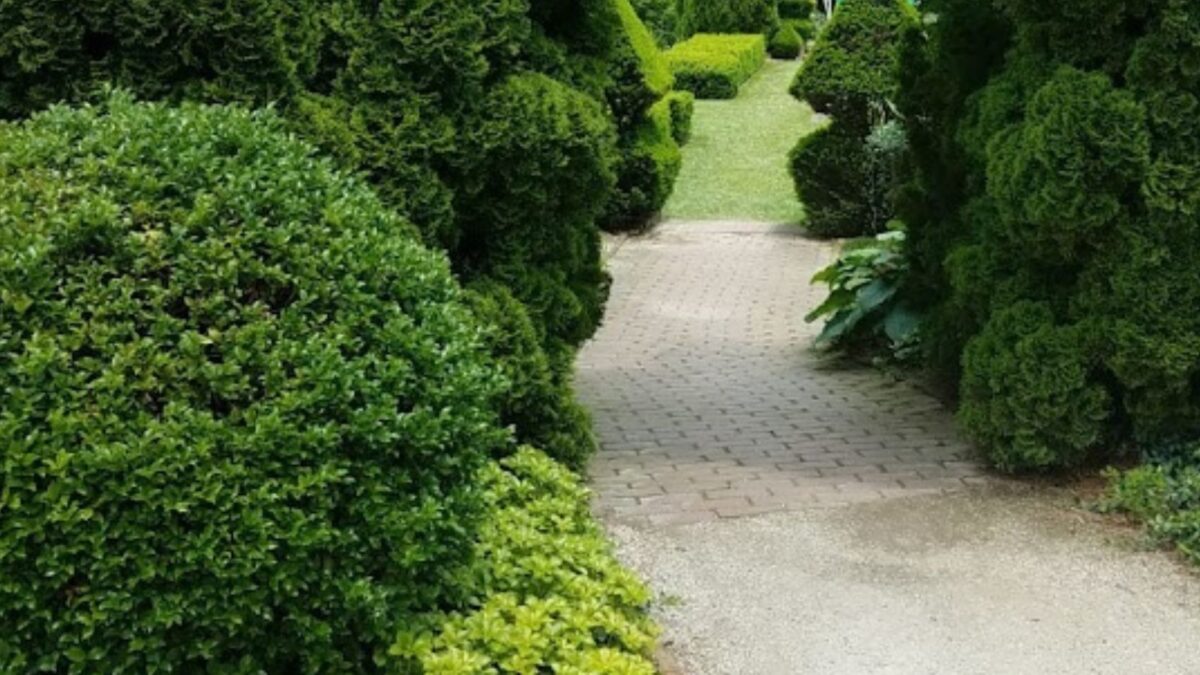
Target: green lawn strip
735,165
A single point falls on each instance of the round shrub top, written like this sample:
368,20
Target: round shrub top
243,409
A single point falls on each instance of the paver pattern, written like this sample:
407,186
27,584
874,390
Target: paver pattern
710,403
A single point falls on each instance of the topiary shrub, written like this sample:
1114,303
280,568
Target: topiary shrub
537,401
845,175
805,28
549,150
785,43
660,17
726,16
549,595
244,408
649,158
681,106
715,66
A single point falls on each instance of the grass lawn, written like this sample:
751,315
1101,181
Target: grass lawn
735,166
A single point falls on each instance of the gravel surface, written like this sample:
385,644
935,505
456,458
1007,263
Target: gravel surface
998,580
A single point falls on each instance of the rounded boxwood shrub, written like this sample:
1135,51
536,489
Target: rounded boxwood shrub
244,409
785,43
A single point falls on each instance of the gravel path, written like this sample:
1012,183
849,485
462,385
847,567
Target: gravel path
801,516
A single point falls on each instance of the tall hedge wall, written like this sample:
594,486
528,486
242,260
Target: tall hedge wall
726,16
1061,268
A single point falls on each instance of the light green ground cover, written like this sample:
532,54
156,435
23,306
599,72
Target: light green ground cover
735,166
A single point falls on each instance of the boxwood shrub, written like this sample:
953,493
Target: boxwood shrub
797,9
244,409
682,106
715,66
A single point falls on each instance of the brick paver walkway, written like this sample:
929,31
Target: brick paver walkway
709,402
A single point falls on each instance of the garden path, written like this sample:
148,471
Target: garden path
797,515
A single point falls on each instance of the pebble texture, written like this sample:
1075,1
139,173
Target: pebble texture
799,516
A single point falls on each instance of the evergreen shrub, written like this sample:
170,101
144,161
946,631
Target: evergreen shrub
244,409
715,66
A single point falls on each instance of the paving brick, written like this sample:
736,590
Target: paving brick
709,404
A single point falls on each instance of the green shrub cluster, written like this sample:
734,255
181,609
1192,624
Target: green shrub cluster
1164,494
785,43
404,93
843,173
649,156
244,408
1060,264
546,593
726,16
715,66
681,106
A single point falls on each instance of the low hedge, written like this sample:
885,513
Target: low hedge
715,66
244,409
548,595
726,16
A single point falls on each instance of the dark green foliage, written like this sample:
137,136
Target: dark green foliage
785,43
726,16
1065,182
797,9
830,167
715,66
805,28
1028,393
244,409
864,310
659,16
548,148
536,401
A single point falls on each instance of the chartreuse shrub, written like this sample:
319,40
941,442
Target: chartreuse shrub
844,173
547,594
785,43
714,66
726,16
244,409
649,158
681,106
537,401
1054,221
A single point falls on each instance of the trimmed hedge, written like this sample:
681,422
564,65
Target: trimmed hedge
548,595
682,106
244,408
785,43
715,66
726,16
649,160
